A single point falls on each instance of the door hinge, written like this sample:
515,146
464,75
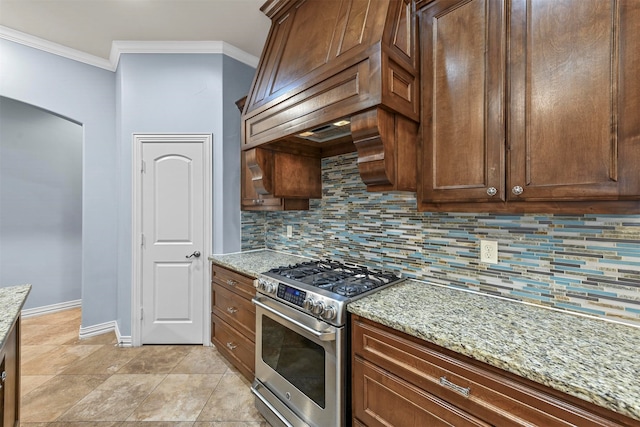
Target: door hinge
143,167
142,240
141,313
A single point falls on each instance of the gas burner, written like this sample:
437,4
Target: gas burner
350,289
342,278
323,288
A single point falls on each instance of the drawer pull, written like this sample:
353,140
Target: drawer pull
3,378
231,310
231,282
231,346
462,390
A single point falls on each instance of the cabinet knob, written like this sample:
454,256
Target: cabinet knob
517,190
3,378
492,191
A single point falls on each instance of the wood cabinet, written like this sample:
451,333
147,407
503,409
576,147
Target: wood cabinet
254,201
261,160
10,378
233,318
530,106
399,380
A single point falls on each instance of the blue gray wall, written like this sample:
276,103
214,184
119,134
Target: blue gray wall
236,86
40,203
149,93
587,264
84,94
180,93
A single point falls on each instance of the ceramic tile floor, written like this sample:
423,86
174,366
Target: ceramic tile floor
67,382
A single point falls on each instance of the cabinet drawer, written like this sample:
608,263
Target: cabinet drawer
233,281
382,399
234,309
493,395
234,346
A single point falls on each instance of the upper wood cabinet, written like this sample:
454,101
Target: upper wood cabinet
532,101
274,180
463,68
254,200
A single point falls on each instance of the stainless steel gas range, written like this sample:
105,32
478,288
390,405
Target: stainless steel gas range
301,340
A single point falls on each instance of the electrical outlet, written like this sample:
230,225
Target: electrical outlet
489,251
289,231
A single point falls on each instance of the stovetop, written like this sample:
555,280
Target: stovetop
323,288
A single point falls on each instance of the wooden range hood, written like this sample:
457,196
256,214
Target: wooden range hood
327,61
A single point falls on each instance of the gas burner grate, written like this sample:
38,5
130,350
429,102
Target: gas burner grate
342,278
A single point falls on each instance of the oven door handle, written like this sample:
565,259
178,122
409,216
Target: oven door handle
322,336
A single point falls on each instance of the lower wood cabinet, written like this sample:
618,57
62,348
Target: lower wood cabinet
10,378
233,318
399,380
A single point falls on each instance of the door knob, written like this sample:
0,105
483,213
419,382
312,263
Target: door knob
196,254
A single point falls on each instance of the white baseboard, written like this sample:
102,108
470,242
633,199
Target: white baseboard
85,332
99,329
123,340
103,328
48,309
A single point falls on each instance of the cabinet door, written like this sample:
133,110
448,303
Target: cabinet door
463,61
9,395
574,68
234,346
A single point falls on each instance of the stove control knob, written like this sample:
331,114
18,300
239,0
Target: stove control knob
318,308
266,286
269,287
330,312
308,304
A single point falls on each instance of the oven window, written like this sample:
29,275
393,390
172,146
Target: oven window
296,358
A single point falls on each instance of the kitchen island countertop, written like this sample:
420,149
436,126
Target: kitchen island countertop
592,359
11,301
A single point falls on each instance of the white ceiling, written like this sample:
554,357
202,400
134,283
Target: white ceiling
90,26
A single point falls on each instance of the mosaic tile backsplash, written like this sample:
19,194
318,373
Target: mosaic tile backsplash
584,263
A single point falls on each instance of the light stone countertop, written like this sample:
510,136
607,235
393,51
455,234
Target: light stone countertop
592,359
11,301
253,263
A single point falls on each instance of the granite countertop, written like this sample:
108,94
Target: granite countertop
253,263
592,359
11,301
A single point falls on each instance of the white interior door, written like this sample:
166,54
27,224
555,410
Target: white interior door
173,259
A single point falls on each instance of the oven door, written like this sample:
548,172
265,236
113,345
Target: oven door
300,375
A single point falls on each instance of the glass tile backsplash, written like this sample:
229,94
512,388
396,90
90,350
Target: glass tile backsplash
583,263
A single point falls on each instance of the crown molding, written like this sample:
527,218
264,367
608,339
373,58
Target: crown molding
54,48
119,47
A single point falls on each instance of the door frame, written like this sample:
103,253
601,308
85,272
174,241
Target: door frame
136,227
